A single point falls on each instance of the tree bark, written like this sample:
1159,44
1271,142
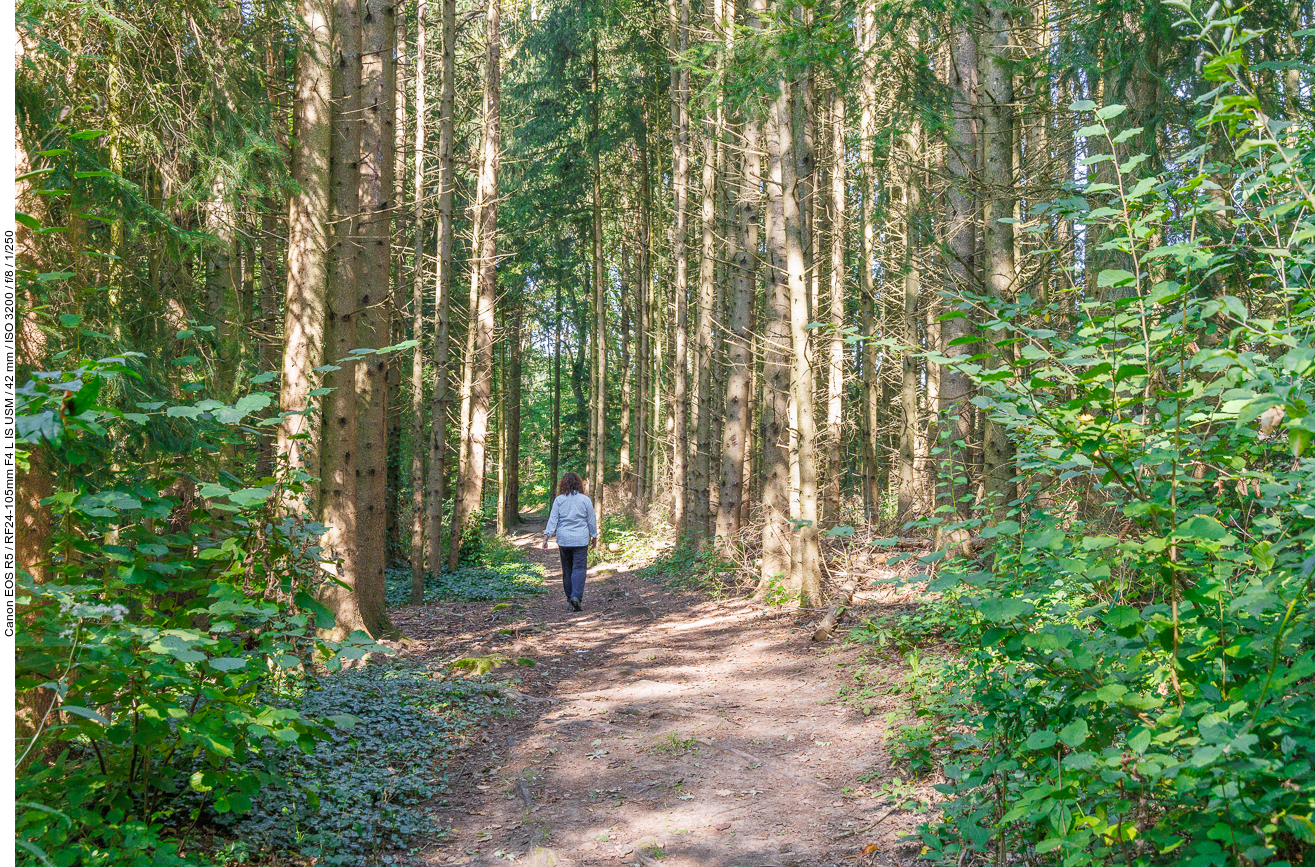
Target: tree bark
555,458
644,321
835,383
1000,268
868,380
806,573
744,280
627,296
511,430
701,468
598,407
908,485
470,482
956,432
776,488
680,489
436,478
338,502
418,324
373,287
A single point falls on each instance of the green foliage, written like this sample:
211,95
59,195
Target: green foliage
170,628
474,540
1142,655
468,583
492,568
360,793
620,529
693,566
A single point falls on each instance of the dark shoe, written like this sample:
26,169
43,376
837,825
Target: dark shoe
575,603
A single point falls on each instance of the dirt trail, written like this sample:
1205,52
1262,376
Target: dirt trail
657,726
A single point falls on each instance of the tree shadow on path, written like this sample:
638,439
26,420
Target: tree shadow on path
655,728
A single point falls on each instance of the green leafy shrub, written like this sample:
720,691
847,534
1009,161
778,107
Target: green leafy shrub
1142,657
174,620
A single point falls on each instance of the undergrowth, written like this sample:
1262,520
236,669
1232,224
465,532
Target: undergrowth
632,541
468,583
360,794
690,566
499,572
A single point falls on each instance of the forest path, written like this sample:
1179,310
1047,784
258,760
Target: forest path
657,727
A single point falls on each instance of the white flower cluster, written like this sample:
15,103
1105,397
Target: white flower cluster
90,611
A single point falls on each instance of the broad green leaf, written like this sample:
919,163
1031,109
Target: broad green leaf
1235,306
1001,610
1075,733
1122,617
1115,277
1202,527
1040,740
85,713
248,497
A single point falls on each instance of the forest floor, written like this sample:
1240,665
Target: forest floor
662,727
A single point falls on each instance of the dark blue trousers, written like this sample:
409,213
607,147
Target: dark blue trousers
575,560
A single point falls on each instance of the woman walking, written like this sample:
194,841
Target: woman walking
572,520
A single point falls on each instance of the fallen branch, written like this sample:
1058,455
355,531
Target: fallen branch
828,624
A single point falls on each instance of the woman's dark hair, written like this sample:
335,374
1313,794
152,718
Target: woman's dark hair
570,484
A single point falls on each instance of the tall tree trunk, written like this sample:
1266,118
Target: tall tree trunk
997,174
418,325
627,294
599,406
338,502
701,469
680,492
470,482
806,574
835,384
510,436
556,456
397,303
499,405
308,245
868,380
223,278
776,488
373,287
744,279
437,475
271,349
908,485
956,413
644,323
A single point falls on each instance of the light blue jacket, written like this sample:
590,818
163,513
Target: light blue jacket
572,519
